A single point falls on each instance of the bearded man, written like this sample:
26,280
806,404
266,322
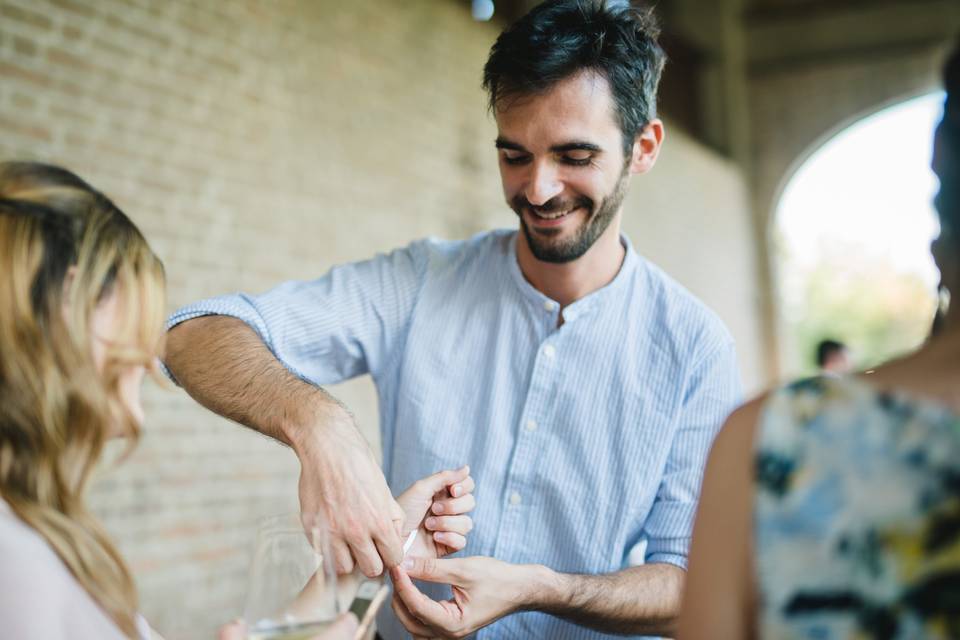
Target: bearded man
582,385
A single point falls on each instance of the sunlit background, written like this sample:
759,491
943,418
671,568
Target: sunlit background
853,236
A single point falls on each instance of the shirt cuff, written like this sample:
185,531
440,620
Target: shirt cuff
234,306
668,550
668,558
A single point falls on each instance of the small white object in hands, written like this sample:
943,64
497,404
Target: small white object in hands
409,542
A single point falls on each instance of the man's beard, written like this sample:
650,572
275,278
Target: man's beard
548,249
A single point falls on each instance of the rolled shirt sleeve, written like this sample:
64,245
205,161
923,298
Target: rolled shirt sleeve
713,391
344,324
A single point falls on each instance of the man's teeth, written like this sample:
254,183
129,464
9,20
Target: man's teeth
553,216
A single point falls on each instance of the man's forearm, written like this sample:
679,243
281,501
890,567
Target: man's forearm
223,365
639,600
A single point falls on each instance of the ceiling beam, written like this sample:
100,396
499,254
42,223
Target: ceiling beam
840,30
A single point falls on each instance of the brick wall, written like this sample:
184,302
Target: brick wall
255,141
252,142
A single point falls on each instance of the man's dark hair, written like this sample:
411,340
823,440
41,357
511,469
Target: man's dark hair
560,38
826,349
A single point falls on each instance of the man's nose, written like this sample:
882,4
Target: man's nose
544,184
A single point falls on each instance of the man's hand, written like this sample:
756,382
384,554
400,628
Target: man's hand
340,478
436,506
227,368
484,590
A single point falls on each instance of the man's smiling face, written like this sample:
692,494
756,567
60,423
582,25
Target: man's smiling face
562,165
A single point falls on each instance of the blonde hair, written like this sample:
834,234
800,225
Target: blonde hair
64,248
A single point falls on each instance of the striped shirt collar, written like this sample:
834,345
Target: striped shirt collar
608,294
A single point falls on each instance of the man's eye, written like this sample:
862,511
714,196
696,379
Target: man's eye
521,159
577,160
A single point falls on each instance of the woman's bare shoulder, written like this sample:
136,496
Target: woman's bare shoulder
39,597
737,435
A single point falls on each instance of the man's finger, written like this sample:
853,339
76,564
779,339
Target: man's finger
368,558
433,570
420,606
342,559
407,619
454,506
397,516
389,546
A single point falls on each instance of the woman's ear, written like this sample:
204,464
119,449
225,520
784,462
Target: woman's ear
646,147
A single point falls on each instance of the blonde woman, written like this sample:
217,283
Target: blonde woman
81,321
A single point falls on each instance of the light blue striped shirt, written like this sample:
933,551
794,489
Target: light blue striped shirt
587,441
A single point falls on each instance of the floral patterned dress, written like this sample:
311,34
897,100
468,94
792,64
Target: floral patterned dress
857,514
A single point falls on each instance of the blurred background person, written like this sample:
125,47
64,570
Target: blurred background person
833,357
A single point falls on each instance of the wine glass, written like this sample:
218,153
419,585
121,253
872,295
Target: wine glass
292,592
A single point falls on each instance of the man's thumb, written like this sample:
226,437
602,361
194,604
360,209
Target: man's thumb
429,569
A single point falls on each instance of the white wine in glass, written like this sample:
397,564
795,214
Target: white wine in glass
303,631
292,593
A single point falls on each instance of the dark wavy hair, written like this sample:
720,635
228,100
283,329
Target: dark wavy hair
560,38
947,162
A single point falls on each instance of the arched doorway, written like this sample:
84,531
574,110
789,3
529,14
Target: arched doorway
851,240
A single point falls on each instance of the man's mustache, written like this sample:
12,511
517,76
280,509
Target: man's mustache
552,205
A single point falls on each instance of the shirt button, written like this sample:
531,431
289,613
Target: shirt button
515,498
531,425
549,305
549,351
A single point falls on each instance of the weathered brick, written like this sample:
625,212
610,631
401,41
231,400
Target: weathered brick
75,7
15,72
73,62
23,101
24,47
144,32
25,128
25,16
72,33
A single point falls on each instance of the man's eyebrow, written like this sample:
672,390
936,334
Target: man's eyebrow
575,146
503,143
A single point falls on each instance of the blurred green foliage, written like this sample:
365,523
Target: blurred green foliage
860,300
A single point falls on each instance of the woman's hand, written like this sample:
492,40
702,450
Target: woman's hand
436,507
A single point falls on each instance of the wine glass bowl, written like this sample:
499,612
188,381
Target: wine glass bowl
292,590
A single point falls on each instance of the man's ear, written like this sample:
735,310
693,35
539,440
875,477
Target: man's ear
646,147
